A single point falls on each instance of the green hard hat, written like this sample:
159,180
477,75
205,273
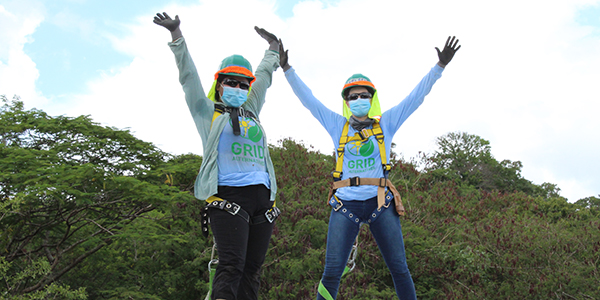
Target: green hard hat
358,80
235,65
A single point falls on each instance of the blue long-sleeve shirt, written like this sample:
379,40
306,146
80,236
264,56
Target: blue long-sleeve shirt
363,159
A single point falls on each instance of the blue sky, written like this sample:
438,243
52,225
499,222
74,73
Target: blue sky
525,78
72,51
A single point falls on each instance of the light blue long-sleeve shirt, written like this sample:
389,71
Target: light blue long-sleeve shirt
202,110
363,159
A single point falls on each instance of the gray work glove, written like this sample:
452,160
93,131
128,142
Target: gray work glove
446,55
283,57
172,25
271,38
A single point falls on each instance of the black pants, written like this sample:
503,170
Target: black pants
241,247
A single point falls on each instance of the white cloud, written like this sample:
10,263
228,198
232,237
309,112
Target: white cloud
524,78
18,20
146,97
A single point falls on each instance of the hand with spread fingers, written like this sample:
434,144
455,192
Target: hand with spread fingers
447,54
283,57
269,37
172,25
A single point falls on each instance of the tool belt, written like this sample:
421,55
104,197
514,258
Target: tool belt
236,210
381,183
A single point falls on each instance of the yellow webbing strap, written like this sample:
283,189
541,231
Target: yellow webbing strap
218,111
362,135
213,198
337,174
378,133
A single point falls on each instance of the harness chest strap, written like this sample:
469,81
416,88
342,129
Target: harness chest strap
381,184
361,135
221,109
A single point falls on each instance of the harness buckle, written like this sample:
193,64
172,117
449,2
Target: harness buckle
382,182
335,203
364,134
387,205
272,214
336,175
338,206
354,181
232,208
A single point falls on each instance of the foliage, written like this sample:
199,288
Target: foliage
69,187
474,229
467,159
161,255
592,203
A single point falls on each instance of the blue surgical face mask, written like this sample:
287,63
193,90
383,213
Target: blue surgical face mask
234,97
360,107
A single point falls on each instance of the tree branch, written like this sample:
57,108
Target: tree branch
45,280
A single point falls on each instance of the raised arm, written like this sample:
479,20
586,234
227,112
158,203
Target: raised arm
199,105
330,120
264,72
398,114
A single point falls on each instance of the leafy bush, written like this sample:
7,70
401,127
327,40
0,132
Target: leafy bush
89,212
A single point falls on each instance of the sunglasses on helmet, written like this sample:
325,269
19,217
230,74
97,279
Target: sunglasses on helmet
355,96
233,83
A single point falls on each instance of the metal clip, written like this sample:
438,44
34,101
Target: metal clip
272,214
364,134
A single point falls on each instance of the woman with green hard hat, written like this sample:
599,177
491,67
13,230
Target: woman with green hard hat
361,192
236,177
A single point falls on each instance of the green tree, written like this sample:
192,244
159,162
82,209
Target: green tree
163,254
69,187
64,193
590,203
468,159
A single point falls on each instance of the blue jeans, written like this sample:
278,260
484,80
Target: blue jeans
387,232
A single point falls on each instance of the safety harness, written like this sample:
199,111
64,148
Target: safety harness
383,197
234,112
228,206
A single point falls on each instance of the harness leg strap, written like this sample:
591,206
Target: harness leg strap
236,210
